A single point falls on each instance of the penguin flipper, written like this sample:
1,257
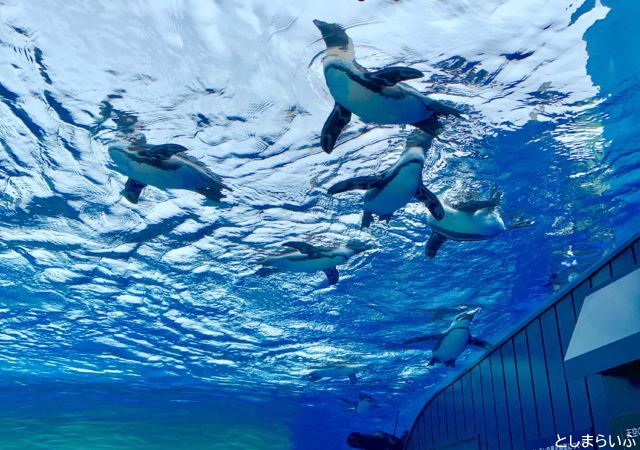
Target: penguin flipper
162,151
332,275
393,75
357,183
431,201
337,120
132,190
479,343
426,337
367,219
434,243
386,217
303,247
352,378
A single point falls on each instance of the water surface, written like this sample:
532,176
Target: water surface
143,326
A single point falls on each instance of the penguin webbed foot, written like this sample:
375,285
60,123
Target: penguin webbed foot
434,243
132,190
367,220
333,276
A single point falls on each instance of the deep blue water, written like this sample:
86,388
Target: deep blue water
143,326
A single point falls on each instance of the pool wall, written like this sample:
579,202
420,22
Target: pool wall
518,396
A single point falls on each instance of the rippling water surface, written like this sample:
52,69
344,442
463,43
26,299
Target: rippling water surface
143,326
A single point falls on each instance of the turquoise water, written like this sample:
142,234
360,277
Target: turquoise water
143,326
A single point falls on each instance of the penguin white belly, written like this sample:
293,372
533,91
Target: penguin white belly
396,193
452,345
305,264
184,177
374,107
466,226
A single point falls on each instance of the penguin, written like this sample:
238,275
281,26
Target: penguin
349,371
364,404
394,188
374,441
473,220
309,258
165,166
375,96
450,344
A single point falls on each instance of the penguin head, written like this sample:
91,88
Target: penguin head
419,139
412,154
333,34
467,316
312,376
356,440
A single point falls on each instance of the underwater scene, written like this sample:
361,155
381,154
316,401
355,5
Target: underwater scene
284,225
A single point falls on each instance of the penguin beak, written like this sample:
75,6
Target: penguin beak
321,25
470,315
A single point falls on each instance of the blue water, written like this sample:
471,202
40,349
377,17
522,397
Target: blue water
142,326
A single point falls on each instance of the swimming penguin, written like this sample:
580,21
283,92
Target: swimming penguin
474,220
376,97
450,344
394,188
164,166
364,404
374,441
309,258
349,371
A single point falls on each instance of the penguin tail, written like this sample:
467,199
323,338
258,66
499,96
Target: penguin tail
432,124
441,109
215,195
